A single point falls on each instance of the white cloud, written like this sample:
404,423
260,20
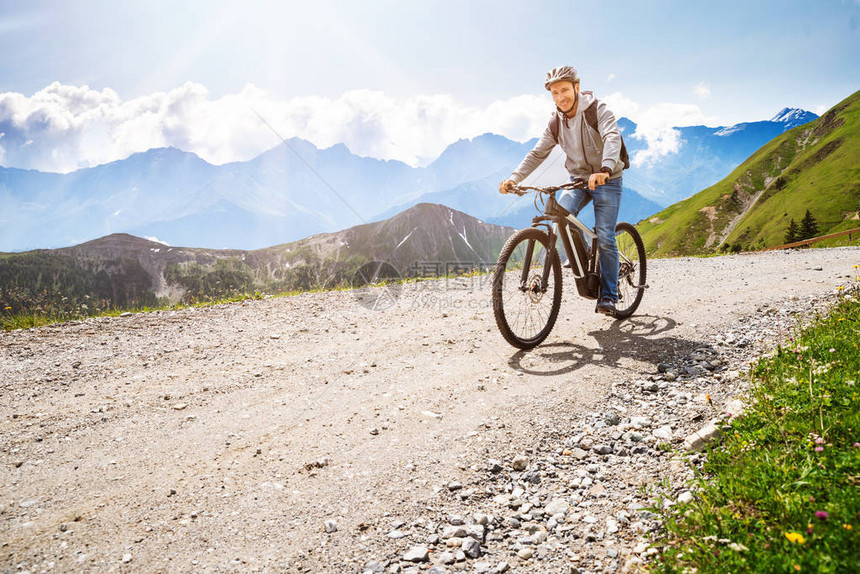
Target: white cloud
657,127
702,90
610,78
63,128
622,106
71,127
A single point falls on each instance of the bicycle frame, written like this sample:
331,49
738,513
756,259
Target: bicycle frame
560,223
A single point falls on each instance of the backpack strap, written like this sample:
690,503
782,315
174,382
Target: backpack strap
591,119
554,125
591,116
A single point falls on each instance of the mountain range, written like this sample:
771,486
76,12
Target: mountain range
123,271
296,190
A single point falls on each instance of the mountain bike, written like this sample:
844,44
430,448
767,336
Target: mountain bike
527,280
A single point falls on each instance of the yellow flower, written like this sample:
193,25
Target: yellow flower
795,537
846,526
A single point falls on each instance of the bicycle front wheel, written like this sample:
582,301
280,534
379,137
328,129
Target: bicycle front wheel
631,269
527,288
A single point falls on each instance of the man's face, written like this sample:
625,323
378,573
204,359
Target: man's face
564,94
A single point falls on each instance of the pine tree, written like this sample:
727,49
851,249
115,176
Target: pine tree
808,227
791,234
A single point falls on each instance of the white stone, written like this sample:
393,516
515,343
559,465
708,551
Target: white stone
526,553
557,506
639,422
611,526
697,440
416,554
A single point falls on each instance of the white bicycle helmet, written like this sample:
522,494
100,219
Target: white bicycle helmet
562,73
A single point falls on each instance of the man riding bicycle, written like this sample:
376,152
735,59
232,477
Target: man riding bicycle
592,155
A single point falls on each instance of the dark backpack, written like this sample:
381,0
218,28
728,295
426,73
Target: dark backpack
591,120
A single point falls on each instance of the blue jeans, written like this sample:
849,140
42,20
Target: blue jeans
607,200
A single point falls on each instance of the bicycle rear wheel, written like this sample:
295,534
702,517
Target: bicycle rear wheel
631,270
525,307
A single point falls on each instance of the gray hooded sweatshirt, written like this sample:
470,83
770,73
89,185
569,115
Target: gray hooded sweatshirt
586,150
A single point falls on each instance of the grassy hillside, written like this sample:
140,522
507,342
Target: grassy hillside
813,167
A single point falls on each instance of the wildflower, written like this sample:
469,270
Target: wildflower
819,448
819,440
846,526
832,350
795,537
797,567
738,547
821,515
8,308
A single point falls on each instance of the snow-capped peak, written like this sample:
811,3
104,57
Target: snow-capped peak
793,116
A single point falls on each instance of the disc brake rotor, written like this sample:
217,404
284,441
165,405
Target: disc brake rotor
534,290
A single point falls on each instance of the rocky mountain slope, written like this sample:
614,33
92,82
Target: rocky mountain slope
426,240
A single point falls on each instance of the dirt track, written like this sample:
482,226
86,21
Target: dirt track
223,438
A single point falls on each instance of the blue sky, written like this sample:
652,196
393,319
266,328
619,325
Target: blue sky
90,81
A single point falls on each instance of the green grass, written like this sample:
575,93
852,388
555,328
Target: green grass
781,490
845,240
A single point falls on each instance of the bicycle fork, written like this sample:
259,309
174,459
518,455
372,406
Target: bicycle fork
527,264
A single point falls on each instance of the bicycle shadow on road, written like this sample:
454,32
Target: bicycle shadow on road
640,338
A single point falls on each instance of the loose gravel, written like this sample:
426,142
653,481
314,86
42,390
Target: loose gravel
315,434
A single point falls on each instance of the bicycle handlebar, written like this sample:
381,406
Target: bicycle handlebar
523,189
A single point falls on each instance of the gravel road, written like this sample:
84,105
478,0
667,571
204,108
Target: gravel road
313,434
